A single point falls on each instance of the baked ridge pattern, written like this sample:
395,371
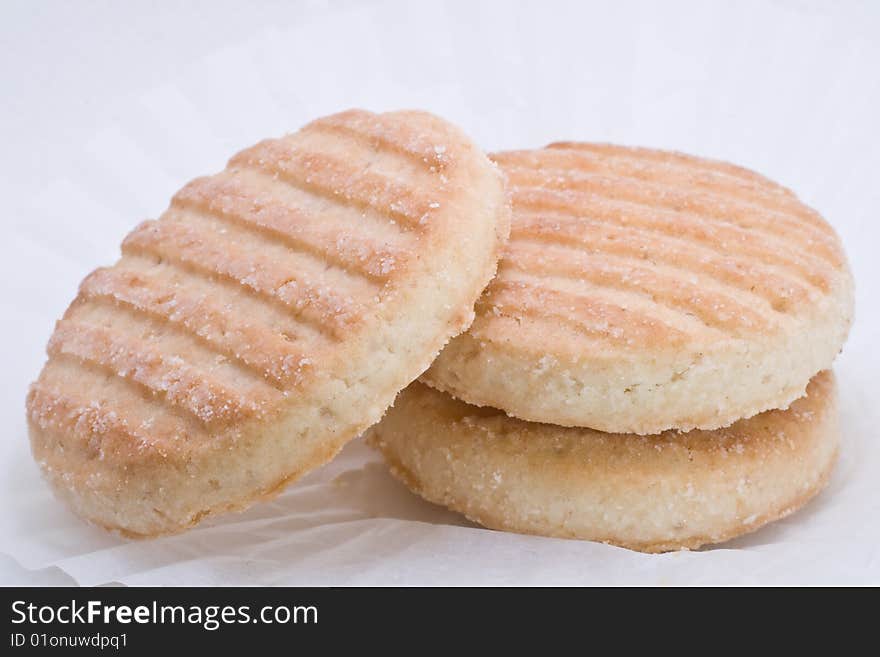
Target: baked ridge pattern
618,251
218,312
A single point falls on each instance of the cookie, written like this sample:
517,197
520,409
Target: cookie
643,290
270,315
649,493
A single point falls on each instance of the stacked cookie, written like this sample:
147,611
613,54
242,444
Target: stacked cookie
647,368
619,381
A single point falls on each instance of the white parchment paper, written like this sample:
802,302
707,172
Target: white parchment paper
114,110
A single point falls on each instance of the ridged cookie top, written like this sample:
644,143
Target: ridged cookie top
614,247
254,282
643,290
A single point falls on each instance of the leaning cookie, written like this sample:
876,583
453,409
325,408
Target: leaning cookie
650,493
644,290
269,316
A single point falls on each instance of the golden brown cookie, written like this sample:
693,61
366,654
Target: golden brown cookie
270,315
644,290
650,493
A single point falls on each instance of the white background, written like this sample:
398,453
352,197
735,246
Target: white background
108,107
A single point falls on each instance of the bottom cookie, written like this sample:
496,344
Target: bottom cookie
658,493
